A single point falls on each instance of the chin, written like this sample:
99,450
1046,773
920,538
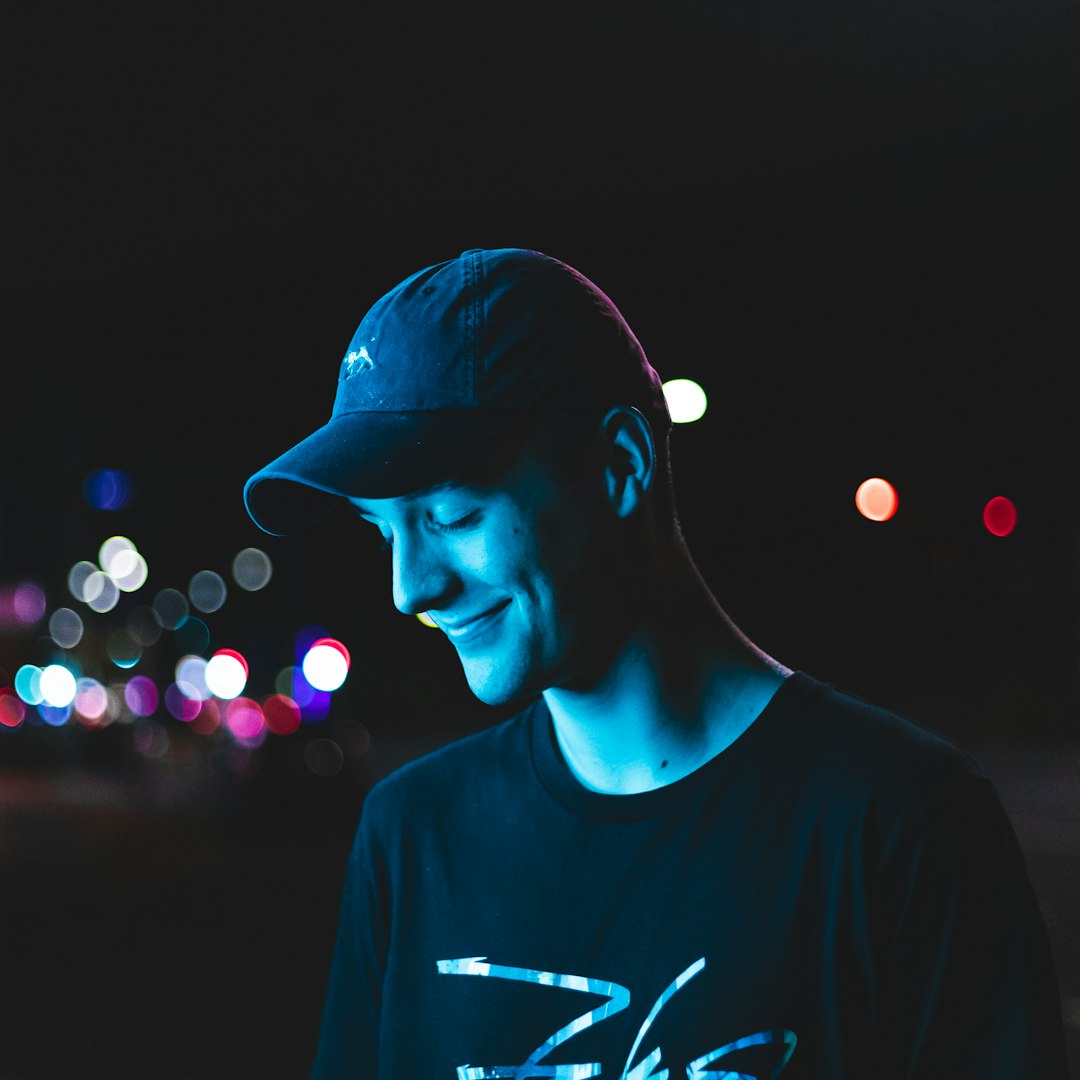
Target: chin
494,694
493,687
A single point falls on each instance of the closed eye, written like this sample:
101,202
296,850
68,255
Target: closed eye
386,542
460,523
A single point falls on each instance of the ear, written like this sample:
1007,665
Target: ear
629,458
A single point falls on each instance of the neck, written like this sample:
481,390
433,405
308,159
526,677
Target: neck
681,683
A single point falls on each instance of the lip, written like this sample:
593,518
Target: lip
463,629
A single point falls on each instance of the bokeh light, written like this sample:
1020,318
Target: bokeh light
999,515
150,738
141,695
208,719
207,591
304,694
108,489
58,686
314,703
118,708
124,651
116,556
326,664
121,560
876,499
171,608
78,576
251,569
281,714
66,627
28,602
136,574
324,757
191,676
101,591
244,718
686,400
91,701
226,673
55,715
12,707
22,604
181,705
285,679
192,635
143,625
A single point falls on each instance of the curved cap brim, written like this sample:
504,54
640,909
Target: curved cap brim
366,455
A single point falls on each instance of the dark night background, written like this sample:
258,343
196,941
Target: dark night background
852,224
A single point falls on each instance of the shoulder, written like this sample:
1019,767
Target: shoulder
456,771
861,745
884,784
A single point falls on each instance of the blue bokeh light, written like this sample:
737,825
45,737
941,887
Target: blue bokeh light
109,489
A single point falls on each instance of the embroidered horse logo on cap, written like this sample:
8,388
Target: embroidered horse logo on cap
356,361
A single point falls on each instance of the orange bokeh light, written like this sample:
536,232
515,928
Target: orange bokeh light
876,499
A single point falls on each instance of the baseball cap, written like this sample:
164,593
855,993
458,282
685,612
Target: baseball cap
440,365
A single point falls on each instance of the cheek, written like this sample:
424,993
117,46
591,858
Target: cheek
565,563
499,557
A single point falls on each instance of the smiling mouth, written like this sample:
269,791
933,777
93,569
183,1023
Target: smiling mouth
472,627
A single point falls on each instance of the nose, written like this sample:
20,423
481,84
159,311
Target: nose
424,577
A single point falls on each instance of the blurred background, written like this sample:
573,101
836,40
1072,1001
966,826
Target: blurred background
850,227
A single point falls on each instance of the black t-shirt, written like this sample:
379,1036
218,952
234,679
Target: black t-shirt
838,894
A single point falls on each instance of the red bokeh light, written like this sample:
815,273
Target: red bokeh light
999,516
334,644
208,719
12,708
238,657
281,714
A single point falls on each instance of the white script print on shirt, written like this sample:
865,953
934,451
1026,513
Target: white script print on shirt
618,999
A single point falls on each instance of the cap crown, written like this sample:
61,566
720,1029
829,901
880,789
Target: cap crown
506,328
441,364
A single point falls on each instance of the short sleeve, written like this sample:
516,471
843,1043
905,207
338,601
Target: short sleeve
349,1032
968,986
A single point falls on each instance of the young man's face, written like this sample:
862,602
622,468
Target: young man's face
511,569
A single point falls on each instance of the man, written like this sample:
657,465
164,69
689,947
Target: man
679,857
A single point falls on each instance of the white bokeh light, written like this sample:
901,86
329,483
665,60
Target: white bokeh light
116,556
226,676
65,627
135,572
207,591
686,400
78,576
191,677
58,686
325,666
251,569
